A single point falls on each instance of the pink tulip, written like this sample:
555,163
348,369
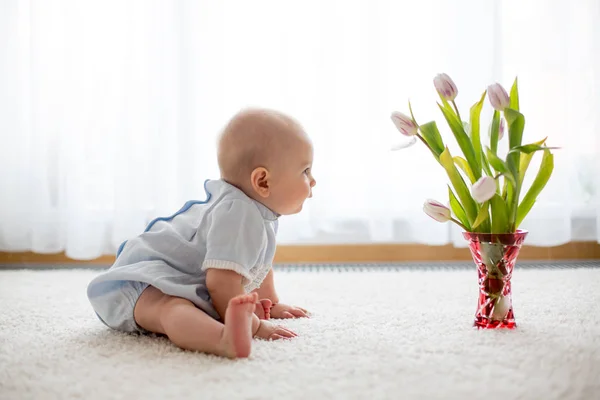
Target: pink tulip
484,189
445,87
437,210
498,97
404,123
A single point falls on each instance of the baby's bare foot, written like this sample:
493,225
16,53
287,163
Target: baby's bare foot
263,309
237,334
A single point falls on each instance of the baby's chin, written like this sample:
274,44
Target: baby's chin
293,211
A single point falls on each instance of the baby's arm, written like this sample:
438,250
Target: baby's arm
267,289
222,286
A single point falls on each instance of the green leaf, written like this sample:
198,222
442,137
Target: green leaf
510,178
464,165
500,166
457,209
499,215
475,131
494,132
432,136
505,189
525,160
447,105
511,204
514,96
516,124
467,128
459,185
496,162
485,164
463,140
543,175
530,148
482,215
514,171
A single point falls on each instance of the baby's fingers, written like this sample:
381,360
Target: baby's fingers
299,312
285,332
276,337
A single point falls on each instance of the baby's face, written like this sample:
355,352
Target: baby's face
293,181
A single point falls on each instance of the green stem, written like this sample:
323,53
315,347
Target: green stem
457,113
498,183
513,217
459,224
411,113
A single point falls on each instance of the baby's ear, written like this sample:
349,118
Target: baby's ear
260,179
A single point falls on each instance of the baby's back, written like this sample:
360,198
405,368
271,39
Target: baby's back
179,240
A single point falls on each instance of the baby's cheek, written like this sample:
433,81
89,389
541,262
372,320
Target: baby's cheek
306,191
309,188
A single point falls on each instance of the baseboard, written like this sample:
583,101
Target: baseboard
353,254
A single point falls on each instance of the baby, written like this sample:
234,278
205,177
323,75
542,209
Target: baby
198,275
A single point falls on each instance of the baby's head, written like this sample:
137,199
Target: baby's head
269,157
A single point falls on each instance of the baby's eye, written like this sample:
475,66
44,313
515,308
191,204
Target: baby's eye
307,171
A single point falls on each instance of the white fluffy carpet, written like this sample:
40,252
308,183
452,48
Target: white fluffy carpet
396,335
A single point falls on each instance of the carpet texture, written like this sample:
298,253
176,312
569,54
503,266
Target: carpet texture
373,335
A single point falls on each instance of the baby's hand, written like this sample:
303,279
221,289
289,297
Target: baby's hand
280,311
263,309
269,331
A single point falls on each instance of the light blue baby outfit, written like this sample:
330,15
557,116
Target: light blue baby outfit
228,231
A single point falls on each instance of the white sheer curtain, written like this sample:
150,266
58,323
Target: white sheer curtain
109,110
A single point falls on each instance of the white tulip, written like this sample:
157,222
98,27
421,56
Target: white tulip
498,97
437,210
404,123
484,189
445,87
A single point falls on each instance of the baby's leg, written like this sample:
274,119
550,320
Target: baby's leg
190,328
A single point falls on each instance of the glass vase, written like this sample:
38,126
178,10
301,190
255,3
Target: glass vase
495,256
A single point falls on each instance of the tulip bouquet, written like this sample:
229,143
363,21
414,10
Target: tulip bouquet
486,194
493,203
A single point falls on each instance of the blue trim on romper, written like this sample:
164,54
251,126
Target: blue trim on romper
183,209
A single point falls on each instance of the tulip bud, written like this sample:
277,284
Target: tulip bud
405,124
484,189
445,87
501,129
498,97
437,210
